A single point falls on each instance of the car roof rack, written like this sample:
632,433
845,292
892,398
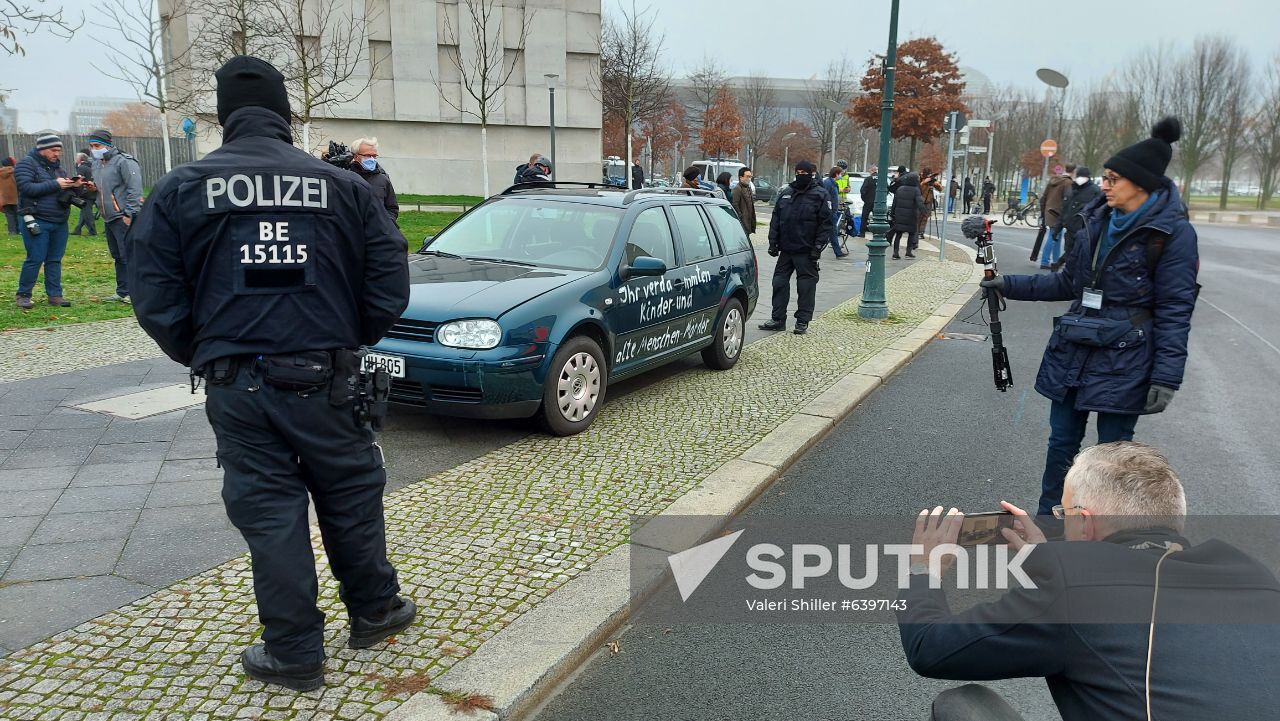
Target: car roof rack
631,195
552,184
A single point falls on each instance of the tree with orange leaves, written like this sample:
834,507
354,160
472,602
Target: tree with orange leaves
927,86
722,126
135,120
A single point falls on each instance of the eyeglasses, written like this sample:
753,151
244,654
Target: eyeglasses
1060,513
366,155
1111,179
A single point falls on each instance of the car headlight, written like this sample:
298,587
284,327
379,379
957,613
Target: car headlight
474,334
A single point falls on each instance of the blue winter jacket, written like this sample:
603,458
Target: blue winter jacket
38,187
1116,379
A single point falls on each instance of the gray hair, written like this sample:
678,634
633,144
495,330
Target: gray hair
1130,485
371,142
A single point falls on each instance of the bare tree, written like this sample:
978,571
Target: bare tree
704,82
1096,128
327,60
143,56
486,66
18,19
1197,99
1264,133
838,84
633,84
226,29
760,115
1236,108
1150,77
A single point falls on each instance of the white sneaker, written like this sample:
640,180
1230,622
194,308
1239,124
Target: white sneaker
117,298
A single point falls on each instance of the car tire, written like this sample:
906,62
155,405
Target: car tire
575,387
726,347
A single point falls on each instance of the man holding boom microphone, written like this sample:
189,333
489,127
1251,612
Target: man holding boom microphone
1120,350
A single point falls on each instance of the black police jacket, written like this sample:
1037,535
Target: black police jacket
261,248
801,219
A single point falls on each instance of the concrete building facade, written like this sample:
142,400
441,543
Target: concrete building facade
87,113
426,144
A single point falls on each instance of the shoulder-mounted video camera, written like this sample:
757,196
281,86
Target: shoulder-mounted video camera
338,155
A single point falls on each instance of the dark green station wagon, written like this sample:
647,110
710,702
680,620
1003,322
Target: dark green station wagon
534,301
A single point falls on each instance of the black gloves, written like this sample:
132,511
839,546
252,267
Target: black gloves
996,282
773,252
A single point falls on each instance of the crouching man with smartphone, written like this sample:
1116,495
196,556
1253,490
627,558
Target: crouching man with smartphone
1127,620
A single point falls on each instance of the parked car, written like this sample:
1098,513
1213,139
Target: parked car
764,190
535,301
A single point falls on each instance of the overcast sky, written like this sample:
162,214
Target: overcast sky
1005,39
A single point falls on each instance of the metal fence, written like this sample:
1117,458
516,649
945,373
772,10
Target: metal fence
148,151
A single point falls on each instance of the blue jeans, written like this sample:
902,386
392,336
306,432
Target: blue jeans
1052,247
45,249
1066,431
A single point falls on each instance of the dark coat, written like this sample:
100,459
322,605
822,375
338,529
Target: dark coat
801,220
908,204
744,202
1116,379
968,189
1084,629
1055,195
37,183
1081,197
868,191
383,192
988,188
203,290
637,176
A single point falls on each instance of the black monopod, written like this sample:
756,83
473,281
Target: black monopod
978,229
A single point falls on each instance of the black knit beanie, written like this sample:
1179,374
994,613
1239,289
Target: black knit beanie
246,82
1145,161
806,166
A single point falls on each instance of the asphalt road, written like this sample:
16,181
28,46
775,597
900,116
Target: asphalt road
938,432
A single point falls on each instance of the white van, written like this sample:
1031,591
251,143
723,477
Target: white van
711,169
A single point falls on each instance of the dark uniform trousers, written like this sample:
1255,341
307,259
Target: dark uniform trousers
805,269
275,446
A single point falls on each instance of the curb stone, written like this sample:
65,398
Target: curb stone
522,665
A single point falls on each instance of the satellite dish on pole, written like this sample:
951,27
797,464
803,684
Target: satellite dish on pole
1052,78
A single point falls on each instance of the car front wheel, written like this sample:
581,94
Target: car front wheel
726,348
575,387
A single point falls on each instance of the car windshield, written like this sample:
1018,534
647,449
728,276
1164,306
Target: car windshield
539,232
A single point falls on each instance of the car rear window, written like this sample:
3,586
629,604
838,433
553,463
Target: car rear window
695,236
559,234
729,228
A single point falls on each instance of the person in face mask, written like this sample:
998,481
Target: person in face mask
119,184
365,163
1084,193
799,230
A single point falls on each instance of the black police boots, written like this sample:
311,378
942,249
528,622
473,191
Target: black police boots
260,665
371,630
774,325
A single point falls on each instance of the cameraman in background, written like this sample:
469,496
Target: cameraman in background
45,197
84,168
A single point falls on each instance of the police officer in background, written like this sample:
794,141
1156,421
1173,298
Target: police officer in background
263,268
798,231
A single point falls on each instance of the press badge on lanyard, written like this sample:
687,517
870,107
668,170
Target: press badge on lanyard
273,254
1092,299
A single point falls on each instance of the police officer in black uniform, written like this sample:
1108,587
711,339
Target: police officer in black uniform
263,269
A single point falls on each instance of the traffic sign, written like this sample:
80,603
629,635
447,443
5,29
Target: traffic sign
977,148
1048,148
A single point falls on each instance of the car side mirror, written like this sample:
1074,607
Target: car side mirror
425,242
644,266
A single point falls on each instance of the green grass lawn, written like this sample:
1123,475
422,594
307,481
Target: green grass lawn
417,226
88,276
1234,202
467,200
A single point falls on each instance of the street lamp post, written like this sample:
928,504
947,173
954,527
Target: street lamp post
786,151
873,304
839,109
1052,79
551,89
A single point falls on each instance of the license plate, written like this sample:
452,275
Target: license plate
392,364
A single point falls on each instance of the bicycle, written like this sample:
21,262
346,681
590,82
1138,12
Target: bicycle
846,229
1028,213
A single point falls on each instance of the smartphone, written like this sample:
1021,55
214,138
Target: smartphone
984,528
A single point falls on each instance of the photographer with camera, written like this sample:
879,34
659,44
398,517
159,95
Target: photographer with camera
1121,349
364,161
1127,620
88,214
45,197
119,182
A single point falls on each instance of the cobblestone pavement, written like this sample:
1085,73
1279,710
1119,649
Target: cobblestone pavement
476,545
42,352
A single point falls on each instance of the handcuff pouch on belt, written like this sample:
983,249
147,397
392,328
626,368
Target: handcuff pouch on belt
308,371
